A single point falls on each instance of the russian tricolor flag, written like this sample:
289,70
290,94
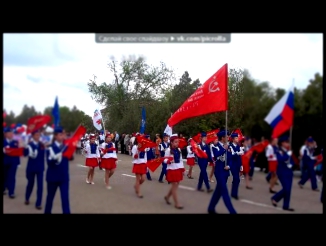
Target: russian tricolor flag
280,118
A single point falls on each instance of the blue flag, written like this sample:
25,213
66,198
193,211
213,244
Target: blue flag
143,121
56,113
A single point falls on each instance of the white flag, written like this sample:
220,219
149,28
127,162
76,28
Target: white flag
97,119
168,130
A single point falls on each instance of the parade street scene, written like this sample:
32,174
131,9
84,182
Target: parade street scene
85,132
85,198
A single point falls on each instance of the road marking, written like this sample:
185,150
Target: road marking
128,175
80,165
186,188
259,204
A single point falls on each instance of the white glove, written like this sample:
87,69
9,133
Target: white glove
227,167
147,149
58,157
289,152
240,152
289,165
241,168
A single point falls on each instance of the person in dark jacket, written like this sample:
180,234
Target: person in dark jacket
35,168
57,174
10,163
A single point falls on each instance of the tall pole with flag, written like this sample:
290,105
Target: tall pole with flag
97,120
291,129
280,118
143,121
56,113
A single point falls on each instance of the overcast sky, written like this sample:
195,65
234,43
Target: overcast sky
38,67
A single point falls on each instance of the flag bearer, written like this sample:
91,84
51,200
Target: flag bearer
92,158
236,164
10,163
284,173
202,163
221,168
149,156
163,146
57,174
35,168
190,159
108,159
308,162
175,170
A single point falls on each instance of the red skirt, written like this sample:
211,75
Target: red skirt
91,162
139,168
211,164
191,161
108,163
174,176
272,166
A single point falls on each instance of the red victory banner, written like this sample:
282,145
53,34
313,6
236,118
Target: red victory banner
212,135
197,138
195,148
37,122
15,151
71,143
155,163
260,147
182,143
211,97
240,135
145,143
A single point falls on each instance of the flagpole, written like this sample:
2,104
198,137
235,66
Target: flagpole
291,129
226,134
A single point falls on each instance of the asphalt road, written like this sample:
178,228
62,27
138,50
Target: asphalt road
87,199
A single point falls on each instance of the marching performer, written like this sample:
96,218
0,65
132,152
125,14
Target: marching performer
308,163
92,158
108,159
163,146
284,173
272,163
57,174
35,168
202,163
149,156
10,162
212,164
236,164
139,166
190,159
175,170
221,168
246,166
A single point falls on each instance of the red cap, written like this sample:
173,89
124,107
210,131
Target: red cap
173,136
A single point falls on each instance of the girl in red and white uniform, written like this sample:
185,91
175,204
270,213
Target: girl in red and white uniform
92,154
174,170
190,159
139,168
108,159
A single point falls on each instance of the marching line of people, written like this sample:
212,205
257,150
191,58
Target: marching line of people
223,155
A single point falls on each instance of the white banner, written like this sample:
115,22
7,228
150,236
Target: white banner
97,119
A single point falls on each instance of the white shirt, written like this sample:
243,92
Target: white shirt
271,156
138,160
108,155
89,154
173,165
190,154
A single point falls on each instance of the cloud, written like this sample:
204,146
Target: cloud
34,50
34,79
